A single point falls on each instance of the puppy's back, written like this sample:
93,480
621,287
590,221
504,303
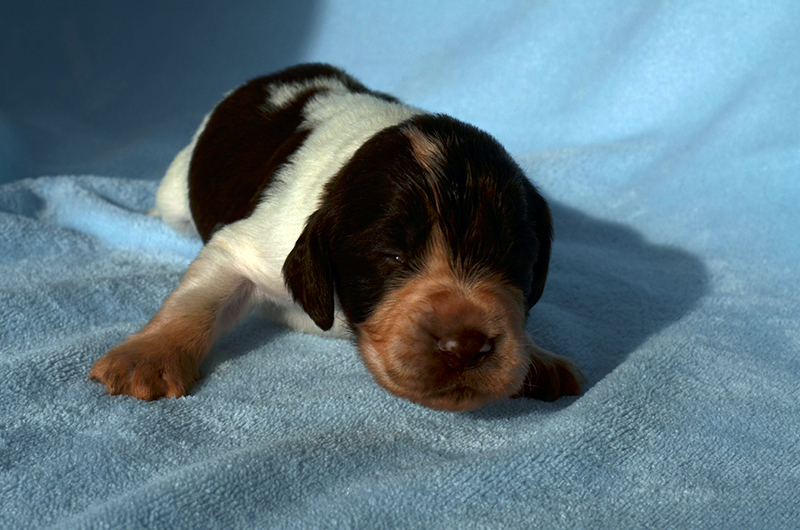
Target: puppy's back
263,127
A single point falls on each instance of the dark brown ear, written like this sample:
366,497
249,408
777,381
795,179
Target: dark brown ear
308,274
539,216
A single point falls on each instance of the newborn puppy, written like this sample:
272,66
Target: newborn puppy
339,209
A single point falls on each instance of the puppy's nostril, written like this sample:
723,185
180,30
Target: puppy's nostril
464,349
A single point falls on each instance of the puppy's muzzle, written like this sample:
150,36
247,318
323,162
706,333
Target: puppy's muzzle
446,347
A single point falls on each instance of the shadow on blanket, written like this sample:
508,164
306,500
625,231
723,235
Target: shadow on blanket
627,287
608,290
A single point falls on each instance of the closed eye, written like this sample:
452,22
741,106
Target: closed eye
397,261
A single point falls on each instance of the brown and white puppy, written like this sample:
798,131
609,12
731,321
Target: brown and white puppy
336,208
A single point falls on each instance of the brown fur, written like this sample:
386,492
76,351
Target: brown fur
397,341
429,153
163,359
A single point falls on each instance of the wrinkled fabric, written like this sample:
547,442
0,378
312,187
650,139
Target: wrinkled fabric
665,136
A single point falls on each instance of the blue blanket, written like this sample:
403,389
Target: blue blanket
666,136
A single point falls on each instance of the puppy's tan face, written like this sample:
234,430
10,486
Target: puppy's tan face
446,341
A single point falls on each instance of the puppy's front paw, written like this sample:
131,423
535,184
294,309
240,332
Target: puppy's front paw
551,376
144,369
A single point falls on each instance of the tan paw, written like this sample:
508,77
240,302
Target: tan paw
551,376
145,369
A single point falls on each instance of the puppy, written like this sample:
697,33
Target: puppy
339,209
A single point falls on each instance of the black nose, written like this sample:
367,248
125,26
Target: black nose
464,349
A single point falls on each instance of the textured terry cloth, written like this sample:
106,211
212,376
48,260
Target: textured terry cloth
666,136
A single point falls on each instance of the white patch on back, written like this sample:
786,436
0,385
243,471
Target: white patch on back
281,95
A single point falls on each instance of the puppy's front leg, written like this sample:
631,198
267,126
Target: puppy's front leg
550,376
163,359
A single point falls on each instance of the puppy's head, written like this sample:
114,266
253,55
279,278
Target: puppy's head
436,246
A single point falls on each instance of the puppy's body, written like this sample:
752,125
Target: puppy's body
338,209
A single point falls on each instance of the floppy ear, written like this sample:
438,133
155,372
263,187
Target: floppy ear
308,274
539,216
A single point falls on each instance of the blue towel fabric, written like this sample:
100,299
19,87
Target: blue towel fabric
666,136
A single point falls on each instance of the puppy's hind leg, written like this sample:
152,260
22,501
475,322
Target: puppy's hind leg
163,359
172,197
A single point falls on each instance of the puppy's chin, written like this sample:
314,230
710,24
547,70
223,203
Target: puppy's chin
402,343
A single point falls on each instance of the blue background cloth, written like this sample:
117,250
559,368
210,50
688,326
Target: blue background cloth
666,136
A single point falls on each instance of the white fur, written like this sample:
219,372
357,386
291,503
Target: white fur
256,247
172,197
281,95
